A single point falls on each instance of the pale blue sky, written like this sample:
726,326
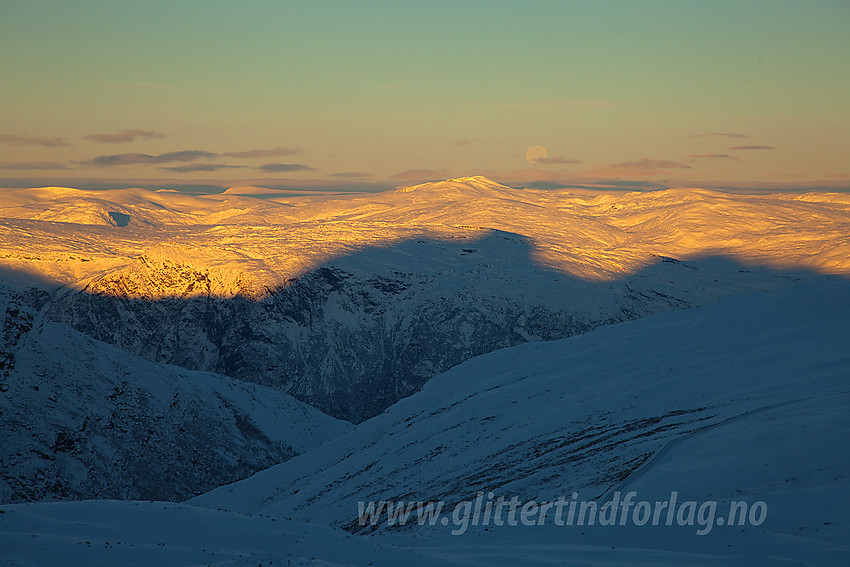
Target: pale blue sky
614,89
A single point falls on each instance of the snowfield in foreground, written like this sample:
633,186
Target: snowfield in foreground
742,400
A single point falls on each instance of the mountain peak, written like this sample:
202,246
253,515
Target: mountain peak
471,184
473,179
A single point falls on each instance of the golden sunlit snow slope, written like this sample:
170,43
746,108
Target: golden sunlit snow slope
600,235
245,244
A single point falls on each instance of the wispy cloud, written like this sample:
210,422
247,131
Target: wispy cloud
201,167
137,158
34,165
466,141
711,156
123,136
279,151
753,148
351,174
719,135
17,140
525,175
548,179
193,156
420,175
284,167
651,163
554,160
641,167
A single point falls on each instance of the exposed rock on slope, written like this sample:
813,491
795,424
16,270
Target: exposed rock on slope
83,419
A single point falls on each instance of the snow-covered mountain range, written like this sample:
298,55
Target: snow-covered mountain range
162,346
352,303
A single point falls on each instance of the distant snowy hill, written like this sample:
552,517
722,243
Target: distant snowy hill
350,304
83,419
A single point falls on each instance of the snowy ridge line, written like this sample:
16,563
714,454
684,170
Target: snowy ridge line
350,304
598,237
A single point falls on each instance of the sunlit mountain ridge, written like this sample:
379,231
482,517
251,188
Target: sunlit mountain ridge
352,303
73,237
727,382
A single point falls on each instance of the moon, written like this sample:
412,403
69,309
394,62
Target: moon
536,153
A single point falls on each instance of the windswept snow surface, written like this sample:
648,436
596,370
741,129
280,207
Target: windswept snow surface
352,303
108,533
741,400
84,419
85,534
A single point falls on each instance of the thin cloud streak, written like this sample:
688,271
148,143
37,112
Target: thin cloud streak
466,141
641,167
46,142
653,163
753,148
34,165
201,167
526,175
711,156
284,167
278,151
137,158
124,136
351,174
554,160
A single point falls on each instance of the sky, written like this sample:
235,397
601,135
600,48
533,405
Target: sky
377,94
